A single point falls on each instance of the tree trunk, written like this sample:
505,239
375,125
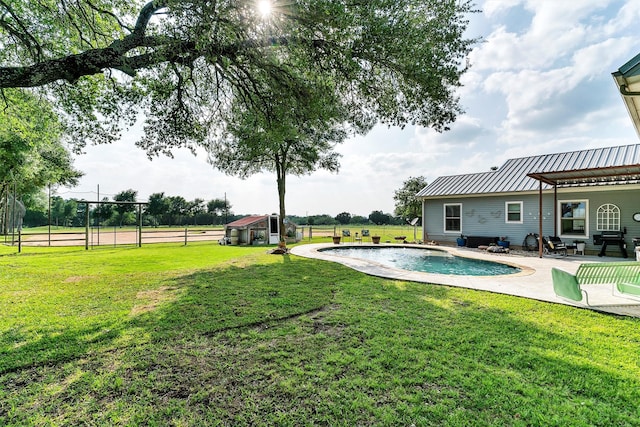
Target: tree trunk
281,178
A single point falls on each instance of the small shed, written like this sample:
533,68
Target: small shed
254,230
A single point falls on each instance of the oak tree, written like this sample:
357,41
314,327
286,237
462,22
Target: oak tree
199,72
183,65
32,154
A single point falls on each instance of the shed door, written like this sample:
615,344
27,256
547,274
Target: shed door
274,230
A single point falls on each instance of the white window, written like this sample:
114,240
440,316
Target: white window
453,218
513,212
608,218
573,218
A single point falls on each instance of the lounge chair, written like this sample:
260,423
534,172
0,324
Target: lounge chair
553,244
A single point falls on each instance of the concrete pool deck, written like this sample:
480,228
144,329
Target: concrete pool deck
534,281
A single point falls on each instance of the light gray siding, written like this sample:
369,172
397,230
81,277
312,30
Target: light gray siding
485,216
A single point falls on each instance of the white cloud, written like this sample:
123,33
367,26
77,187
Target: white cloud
626,18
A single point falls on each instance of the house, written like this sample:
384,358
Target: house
578,196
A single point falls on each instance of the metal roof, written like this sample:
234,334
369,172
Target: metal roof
627,78
599,166
247,221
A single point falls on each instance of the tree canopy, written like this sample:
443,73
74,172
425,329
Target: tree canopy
379,217
32,154
295,137
408,206
128,208
343,218
185,65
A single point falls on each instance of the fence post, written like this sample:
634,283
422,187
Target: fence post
185,236
19,240
140,225
86,230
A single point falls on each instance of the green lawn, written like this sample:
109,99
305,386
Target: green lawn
217,335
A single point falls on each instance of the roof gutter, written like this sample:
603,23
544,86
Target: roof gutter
625,92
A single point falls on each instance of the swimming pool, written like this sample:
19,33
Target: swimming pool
425,260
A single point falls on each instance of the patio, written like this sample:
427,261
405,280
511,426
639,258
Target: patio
534,281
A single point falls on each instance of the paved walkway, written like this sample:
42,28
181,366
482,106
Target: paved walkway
534,281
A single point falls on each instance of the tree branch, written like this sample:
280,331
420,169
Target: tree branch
22,34
94,61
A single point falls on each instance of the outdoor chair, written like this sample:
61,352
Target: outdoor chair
566,286
365,233
554,244
624,276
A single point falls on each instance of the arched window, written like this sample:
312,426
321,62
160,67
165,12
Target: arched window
608,218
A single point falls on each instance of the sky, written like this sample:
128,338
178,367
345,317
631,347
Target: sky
540,82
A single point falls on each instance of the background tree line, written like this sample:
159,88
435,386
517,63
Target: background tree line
177,211
160,210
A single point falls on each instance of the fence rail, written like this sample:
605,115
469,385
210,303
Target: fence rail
103,236
114,236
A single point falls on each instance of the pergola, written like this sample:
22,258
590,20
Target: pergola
622,174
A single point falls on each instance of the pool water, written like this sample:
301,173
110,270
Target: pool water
426,260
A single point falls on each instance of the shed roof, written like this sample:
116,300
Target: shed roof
246,221
597,166
627,79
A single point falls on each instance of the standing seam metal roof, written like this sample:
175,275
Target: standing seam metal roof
512,175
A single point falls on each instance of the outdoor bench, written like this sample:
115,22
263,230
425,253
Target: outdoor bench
624,276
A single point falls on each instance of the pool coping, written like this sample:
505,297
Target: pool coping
534,281
524,270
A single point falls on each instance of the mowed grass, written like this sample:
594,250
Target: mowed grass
211,335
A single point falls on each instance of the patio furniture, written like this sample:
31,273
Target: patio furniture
553,244
624,276
475,241
628,290
365,233
566,286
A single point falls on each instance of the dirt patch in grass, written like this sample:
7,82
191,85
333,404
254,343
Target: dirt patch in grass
320,324
152,299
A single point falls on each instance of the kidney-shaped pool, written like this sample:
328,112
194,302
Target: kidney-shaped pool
425,260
